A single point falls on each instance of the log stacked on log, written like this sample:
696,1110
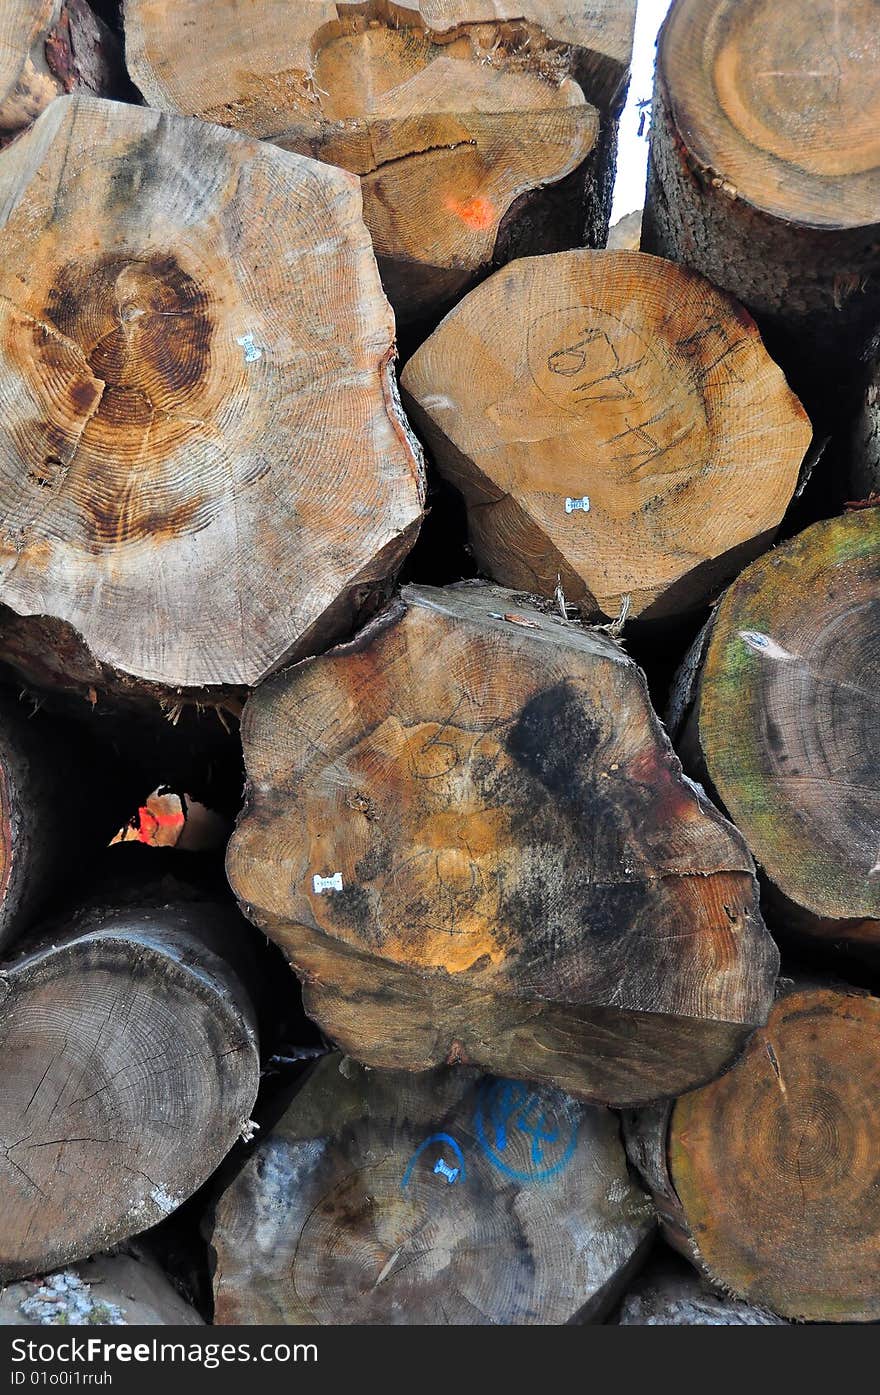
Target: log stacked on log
204,469
784,721
48,48
765,170
616,427
767,1177
456,114
465,827
440,1198
475,841
128,1051
117,1290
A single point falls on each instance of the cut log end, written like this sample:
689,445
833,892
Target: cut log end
476,831
169,384
454,116
615,426
774,1164
786,717
131,1066
781,103
443,1198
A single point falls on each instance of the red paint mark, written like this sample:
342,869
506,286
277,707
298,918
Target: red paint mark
148,823
477,213
872,502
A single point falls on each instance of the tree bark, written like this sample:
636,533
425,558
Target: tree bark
49,48
459,116
59,807
764,173
118,1290
865,447
129,1054
784,720
441,1198
204,469
614,425
475,844
670,1294
766,1178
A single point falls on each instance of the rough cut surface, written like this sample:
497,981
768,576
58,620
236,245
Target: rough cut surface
48,48
614,423
447,1198
455,115
767,1177
765,169
130,1064
786,719
470,835
203,465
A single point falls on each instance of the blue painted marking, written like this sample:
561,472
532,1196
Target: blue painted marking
507,1105
437,1138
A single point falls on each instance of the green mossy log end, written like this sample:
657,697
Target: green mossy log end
785,720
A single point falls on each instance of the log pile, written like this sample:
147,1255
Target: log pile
371,948
480,129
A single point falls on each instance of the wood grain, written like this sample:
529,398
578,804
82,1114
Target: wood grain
616,379
453,1198
786,714
517,874
129,1053
203,466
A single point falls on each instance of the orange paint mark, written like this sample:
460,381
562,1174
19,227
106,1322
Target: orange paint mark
477,213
